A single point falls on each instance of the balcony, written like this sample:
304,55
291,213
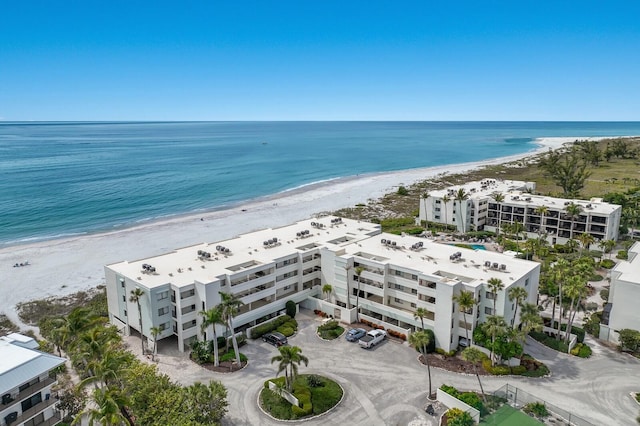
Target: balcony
33,389
40,406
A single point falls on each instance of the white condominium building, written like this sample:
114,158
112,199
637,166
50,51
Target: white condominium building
485,210
26,381
622,311
469,214
266,268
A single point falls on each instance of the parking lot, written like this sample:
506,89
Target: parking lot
386,385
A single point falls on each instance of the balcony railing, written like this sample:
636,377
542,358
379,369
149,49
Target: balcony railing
40,406
33,389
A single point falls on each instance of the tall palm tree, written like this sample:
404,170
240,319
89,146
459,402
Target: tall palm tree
422,314
576,290
136,295
358,272
155,332
586,240
230,305
608,245
573,210
421,341
529,320
517,294
498,197
495,286
461,196
108,409
326,290
560,273
425,195
108,369
348,271
496,326
66,330
290,357
445,200
466,301
213,316
475,357
91,346
542,211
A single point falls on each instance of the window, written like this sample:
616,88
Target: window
163,311
286,287
187,293
490,295
164,326
124,298
437,201
163,295
398,273
122,282
397,300
488,310
413,305
526,282
437,216
125,312
437,209
414,277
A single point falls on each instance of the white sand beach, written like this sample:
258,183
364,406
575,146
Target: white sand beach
65,266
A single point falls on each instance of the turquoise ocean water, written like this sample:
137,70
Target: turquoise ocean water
61,179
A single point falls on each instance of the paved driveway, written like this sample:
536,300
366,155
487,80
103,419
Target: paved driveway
388,386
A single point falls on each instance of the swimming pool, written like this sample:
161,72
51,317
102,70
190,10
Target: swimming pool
478,246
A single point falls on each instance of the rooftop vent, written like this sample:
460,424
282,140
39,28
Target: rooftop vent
148,268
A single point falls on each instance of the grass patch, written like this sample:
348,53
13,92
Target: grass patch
34,311
330,330
324,393
509,416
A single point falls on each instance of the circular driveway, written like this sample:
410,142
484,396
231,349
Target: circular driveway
386,385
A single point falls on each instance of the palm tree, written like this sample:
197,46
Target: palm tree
498,197
542,211
573,211
66,330
495,286
425,195
136,295
608,245
358,272
91,346
460,196
576,290
466,301
529,319
495,327
155,332
108,369
519,294
108,410
290,357
421,341
560,274
586,240
445,200
230,305
475,357
213,316
326,290
422,314
348,269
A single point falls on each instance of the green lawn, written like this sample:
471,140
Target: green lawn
508,416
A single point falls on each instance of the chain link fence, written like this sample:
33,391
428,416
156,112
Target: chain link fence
519,398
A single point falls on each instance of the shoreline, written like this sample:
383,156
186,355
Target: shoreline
66,265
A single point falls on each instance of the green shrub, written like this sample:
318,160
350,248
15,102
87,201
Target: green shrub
622,254
472,399
596,277
551,342
450,390
273,324
231,355
581,350
314,381
518,370
457,417
326,396
285,330
403,191
291,308
329,325
292,324
497,370
607,263
538,409
592,324
304,400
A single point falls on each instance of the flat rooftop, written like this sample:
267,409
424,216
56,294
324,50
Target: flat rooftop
524,199
184,266
434,258
630,270
484,188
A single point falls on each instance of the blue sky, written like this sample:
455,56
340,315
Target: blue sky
327,60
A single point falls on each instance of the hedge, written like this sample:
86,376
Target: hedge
551,342
581,350
269,326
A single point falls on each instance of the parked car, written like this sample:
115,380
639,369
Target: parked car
275,338
355,334
372,338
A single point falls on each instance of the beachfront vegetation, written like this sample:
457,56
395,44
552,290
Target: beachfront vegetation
121,389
